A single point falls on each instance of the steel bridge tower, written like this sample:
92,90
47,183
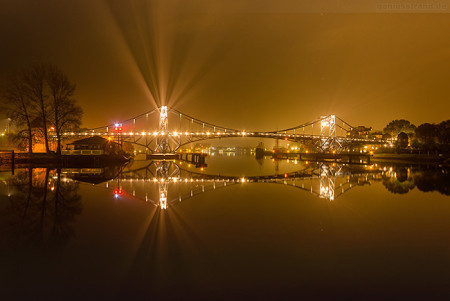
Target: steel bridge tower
328,140
162,141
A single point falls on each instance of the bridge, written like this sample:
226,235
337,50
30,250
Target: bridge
151,130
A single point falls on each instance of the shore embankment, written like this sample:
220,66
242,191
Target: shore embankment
411,158
19,158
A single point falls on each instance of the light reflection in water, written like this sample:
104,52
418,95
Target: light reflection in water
162,242
165,183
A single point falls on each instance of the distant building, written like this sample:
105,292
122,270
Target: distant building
360,132
387,136
377,134
93,146
202,146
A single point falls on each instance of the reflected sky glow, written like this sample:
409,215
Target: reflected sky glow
257,218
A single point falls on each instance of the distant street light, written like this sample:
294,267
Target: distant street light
8,125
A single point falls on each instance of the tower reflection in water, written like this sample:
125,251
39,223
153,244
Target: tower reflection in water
166,183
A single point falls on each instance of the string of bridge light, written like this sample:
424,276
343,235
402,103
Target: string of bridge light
206,134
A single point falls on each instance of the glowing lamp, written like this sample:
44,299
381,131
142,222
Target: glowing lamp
118,127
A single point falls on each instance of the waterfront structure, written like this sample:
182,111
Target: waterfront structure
94,145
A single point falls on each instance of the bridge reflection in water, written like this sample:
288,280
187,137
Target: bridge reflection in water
166,183
41,205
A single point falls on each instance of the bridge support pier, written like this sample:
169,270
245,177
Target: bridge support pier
197,159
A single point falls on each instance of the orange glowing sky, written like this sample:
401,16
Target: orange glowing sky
256,65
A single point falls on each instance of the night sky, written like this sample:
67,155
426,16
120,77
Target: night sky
255,65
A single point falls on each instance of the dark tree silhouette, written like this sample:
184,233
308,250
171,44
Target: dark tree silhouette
41,97
427,134
397,126
35,90
17,107
444,133
402,140
65,113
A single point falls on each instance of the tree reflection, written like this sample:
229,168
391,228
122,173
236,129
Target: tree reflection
395,186
433,180
41,208
402,179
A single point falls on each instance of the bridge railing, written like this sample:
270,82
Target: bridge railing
84,152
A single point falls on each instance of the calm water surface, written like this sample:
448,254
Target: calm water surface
237,229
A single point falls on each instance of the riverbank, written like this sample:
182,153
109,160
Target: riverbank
411,158
377,157
15,158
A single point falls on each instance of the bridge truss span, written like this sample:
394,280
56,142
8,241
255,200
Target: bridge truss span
165,130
